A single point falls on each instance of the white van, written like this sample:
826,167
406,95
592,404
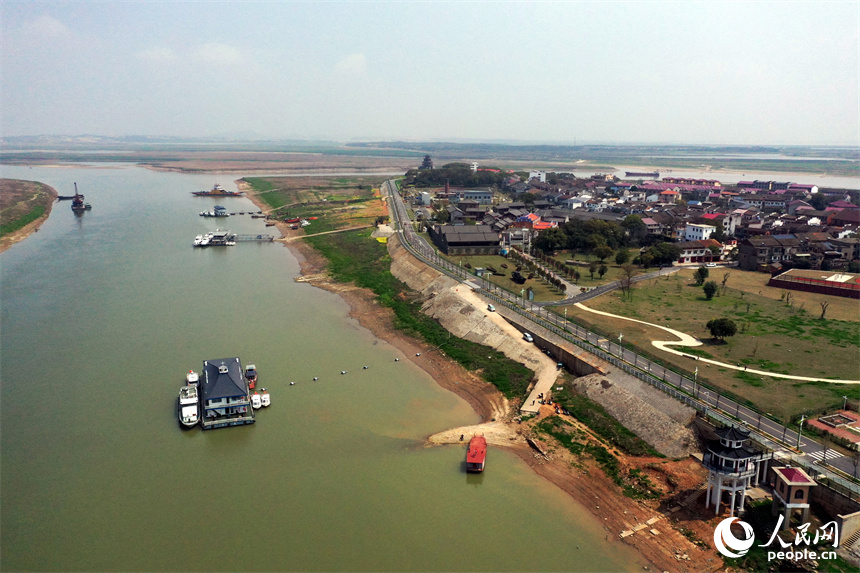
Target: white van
491,308
528,337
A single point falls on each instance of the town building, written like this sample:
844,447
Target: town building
466,239
696,232
791,492
478,196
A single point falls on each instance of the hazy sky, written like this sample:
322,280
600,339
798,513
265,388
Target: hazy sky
689,72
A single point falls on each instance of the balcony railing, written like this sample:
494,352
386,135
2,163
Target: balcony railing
712,462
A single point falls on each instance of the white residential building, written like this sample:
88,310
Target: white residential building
696,232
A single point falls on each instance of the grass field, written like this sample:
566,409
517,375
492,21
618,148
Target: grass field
772,336
21,203
613,271
336,202
543,291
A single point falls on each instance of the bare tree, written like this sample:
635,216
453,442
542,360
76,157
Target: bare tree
628,271
824,305
725,280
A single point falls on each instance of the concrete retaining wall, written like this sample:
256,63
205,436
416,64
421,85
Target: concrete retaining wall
832,503
848,524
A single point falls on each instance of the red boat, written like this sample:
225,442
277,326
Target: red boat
477,454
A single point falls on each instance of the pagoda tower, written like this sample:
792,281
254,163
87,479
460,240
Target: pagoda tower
731,467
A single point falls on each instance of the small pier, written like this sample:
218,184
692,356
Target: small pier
255,238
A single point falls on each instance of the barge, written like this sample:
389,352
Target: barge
476,455
653,174
78,205
217,191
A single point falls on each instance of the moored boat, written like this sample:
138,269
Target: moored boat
198,240
265,399
217,191
251,375
78,204
256,401
476,456
189,406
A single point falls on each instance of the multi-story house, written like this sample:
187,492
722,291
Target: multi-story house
225,394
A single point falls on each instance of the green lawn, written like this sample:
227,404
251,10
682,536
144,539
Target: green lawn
328,203
771,336
613,271
543,290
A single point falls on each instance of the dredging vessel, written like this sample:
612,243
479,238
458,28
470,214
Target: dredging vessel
78,205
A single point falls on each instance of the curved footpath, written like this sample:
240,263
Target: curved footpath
689,341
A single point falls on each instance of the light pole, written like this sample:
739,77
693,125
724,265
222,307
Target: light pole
802,417
844,401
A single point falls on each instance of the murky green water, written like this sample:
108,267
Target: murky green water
101,317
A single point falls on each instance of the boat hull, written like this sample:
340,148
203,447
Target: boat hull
476,455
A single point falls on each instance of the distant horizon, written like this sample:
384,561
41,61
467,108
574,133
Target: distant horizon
435,141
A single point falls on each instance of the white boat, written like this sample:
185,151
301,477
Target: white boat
197,240
256,402
192,377
189,412
265,399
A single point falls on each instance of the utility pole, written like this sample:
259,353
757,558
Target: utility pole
802,417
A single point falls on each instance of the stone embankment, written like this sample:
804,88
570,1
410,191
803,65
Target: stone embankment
655,417
650,414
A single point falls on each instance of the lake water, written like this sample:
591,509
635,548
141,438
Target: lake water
731,177
103,314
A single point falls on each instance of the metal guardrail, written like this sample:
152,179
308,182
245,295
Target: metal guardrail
659,377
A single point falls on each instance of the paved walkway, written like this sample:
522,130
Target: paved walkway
687,340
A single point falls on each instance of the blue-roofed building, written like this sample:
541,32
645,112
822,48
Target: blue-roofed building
225,394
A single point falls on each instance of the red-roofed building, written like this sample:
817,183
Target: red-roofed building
699,251
526,221
791,491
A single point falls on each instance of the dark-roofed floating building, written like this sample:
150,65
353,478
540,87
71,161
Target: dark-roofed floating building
225,396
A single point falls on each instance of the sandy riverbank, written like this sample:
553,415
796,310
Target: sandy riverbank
667,550
17,236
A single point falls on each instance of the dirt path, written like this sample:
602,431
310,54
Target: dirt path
299,237
690,341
